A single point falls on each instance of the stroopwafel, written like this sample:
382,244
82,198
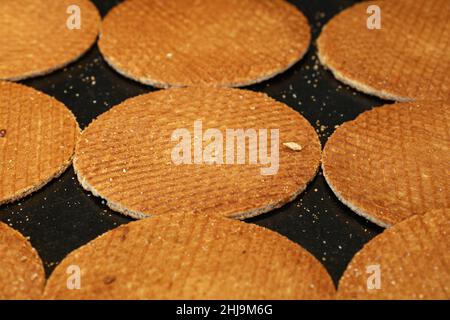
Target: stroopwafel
407,59
410,259
191,257
392,162
37,140
22,273
126,155
38,37
203,42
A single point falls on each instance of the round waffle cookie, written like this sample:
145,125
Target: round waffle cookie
22,273
37,140
410,261
392,162
203,42
191,257
38,37
407,59
129,157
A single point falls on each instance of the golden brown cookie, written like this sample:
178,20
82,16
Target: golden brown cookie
126,155
22,273
192,257
203,42
407,59
37,140
392,162
411,260
35,38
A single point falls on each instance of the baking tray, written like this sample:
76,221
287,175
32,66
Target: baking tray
62,216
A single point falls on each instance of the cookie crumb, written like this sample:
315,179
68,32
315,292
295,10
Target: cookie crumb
293,146
109,279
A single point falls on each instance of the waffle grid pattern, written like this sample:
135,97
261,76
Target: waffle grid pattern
124,156
414,260
206,42
406,60
192,257
35,40
22,273
392,162
39,141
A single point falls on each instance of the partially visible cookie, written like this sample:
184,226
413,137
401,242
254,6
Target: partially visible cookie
407,59
191,257
40,36
392,162
410,259
22,273
131,155
37,140
203,42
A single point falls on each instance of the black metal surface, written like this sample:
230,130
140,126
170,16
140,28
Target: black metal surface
62,216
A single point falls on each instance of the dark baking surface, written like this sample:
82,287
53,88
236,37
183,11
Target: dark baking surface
62,216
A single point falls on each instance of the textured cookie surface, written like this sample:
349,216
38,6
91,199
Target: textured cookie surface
407,59
412,258
203,42
22,274
35,38
192,257
126,155
392,162
37,140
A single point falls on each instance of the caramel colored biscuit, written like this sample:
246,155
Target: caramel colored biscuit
192,257
392,162
35,38
203,42
126,155
37,140
22,273
407,59
410,259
